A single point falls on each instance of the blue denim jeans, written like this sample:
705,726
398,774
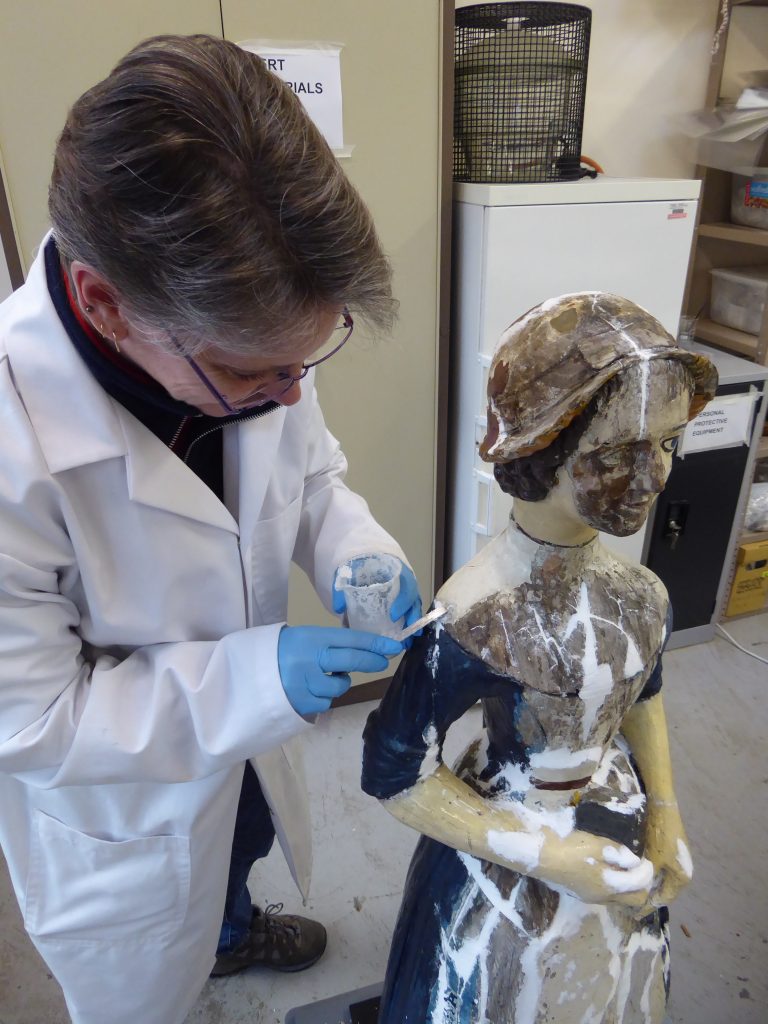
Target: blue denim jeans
253,838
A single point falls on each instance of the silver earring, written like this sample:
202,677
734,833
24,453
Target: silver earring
114,339
89,309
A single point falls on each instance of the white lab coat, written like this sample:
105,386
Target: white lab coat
132,688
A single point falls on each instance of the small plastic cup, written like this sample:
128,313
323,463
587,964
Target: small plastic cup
686,333
370,584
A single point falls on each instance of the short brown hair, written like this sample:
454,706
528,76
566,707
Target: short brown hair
192,179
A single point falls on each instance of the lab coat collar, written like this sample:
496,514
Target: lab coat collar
74,419
160,479
77,423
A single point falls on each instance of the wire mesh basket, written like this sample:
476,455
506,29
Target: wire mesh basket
519,87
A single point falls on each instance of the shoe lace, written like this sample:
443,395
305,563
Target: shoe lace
275,925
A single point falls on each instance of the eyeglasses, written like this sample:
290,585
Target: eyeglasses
283,381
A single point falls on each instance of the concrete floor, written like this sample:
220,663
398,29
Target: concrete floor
717,705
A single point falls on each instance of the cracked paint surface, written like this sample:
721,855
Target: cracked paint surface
556,660
581,632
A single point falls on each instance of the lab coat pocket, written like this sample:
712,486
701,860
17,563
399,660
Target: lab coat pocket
272,547
90,890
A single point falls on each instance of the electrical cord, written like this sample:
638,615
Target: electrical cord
730,639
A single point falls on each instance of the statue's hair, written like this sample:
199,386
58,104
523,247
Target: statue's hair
532,477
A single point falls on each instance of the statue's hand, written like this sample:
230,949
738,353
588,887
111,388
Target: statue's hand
595,869
666,846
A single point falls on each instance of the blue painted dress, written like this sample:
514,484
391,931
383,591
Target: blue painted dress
477,943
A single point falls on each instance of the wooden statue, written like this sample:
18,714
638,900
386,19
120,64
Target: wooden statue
538,890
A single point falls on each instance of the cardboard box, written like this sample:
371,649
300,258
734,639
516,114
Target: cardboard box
749,592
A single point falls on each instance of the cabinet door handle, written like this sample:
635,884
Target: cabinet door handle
483,523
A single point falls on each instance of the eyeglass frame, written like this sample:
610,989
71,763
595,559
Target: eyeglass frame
288,378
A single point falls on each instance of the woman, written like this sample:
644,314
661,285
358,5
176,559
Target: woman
538,891
163,460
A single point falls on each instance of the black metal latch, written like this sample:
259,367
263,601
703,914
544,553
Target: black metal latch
677,516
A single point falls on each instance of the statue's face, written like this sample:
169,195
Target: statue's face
625,455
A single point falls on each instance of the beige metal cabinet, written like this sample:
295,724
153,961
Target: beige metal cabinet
380,396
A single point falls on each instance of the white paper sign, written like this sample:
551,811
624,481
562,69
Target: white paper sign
313,71
724,423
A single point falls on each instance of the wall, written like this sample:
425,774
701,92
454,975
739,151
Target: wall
49,54
649,61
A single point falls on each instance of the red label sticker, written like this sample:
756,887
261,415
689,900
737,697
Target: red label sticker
756,195
677,213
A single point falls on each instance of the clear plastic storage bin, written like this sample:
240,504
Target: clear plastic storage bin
749,198
738,297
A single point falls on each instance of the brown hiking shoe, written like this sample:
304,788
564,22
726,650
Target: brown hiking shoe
280,941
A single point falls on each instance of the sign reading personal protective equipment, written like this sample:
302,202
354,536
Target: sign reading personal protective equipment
313,71
724,423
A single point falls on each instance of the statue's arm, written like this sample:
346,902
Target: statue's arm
666,846
596,870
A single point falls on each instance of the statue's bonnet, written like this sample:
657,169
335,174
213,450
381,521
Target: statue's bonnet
553,359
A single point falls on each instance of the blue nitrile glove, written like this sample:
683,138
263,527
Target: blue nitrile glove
314,662
406,605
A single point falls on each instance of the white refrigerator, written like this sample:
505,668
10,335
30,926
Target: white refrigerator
516,245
